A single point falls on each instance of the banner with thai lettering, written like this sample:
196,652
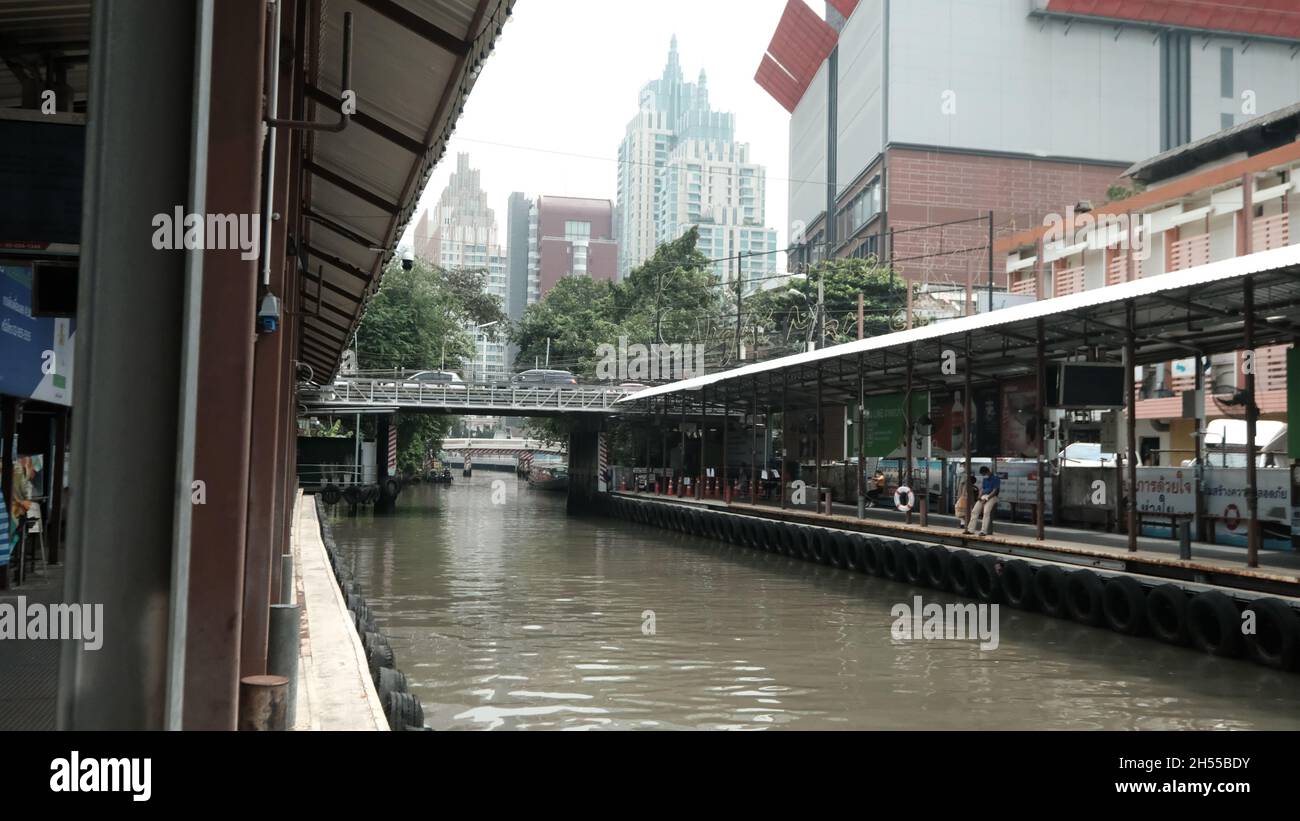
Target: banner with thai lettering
35,352
1166,490
1225,494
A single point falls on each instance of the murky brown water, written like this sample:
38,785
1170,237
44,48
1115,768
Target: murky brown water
517,616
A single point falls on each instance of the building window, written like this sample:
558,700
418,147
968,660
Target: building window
575,231
1226,88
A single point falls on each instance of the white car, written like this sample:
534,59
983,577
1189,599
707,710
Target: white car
435,379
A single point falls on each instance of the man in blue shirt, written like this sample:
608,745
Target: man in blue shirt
990,485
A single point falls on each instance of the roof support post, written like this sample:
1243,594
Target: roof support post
1130,421
967,426
1039,410
908,422
861,434
785,427
1252,417
817,454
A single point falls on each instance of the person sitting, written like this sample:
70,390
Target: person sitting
877,488
990,485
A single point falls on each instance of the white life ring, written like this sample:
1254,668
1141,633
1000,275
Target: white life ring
911,499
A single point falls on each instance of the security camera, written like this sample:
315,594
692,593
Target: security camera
268,315
408,260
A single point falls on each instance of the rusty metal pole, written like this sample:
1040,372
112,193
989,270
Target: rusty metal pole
1252,419
54,527
1130,402
224,418
263,703
1039,410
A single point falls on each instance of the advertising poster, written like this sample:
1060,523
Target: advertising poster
949,429
35,353
987,430
1019,418
884,423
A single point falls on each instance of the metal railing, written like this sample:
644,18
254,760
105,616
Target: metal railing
393,391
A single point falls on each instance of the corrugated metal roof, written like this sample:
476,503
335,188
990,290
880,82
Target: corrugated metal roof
1167,303
414,63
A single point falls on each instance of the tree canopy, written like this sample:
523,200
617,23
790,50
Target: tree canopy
418,320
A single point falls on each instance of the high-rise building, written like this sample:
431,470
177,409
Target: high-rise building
461,232
913,114
680,166
517,247
571,236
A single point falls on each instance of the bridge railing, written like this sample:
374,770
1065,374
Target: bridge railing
393,391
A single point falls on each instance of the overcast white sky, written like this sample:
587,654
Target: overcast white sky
588,59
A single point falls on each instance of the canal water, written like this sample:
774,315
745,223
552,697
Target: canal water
505,613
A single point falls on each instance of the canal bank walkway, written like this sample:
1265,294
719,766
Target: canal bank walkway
335,691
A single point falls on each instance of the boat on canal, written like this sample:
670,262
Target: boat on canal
549,477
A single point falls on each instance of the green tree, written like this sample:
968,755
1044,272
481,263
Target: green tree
785,319
416,321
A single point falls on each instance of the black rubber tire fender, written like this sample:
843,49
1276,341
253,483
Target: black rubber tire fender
914,564
1125,605
771,537
854,552
1018,585
352,494
790,539
822,545
1276,640
330,495
1083,597
873,557
807,543
896,561
1049,589
986,578
1214,624
392,487
841,551
961,573
1167,614
404,710
937,560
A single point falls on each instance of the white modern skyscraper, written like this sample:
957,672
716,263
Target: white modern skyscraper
461,232
680,166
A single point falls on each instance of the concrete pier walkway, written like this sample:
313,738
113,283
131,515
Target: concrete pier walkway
335,691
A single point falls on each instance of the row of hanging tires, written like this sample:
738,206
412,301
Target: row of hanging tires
1209,620
402,708
331,494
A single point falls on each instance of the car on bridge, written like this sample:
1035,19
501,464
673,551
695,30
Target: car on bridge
435,379
538,378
